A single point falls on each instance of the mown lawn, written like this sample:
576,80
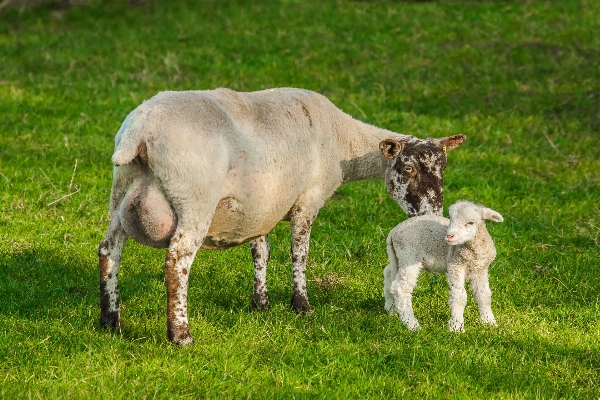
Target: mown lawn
521,79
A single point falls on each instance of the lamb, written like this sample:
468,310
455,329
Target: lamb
219,168
460,247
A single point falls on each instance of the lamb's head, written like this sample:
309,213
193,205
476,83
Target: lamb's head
466,219
415,173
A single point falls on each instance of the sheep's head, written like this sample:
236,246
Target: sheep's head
415,173
466,219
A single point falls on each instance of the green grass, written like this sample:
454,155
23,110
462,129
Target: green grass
521,79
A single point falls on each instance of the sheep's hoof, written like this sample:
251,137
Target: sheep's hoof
180,335
301,305
259,303
111,320
183,339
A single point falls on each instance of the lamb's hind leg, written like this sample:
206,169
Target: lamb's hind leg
109,259
401,290
483,295
301,220
261,253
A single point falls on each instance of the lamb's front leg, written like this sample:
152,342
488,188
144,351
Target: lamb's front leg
458,297
483,295
261,252
109,259
178,261
301,220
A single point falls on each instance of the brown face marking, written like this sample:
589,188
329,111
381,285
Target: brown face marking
415,178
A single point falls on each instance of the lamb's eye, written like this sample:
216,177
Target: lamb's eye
408,168
470,223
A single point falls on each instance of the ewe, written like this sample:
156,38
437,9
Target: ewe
218,168
460,247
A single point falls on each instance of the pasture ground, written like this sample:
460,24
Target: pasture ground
521,79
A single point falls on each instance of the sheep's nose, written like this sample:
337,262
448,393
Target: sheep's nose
449,237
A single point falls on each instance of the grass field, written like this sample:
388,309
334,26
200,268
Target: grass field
521,79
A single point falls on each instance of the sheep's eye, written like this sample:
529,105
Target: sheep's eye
408,168
470,223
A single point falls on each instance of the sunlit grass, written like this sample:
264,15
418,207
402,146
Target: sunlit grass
520,79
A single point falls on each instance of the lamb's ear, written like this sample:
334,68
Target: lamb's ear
488,213
448,143
391,148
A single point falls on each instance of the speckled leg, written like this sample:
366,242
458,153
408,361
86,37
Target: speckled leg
109,259
458,298
300,223
261,252
483,296
178,262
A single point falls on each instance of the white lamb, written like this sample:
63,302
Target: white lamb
461,247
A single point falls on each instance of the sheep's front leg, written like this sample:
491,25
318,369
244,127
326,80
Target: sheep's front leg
401,290
301,221
178,261
261,252
109,259
483,295
458,297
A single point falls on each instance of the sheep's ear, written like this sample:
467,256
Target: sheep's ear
448,143
391,148
488,213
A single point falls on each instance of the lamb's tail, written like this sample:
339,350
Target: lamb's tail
392,257
130,141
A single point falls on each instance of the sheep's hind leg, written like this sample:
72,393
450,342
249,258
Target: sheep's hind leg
109,259
301,220
178,262
483,295
261,252
401,290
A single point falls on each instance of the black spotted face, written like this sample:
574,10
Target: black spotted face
415,178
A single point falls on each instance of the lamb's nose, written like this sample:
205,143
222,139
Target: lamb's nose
449,237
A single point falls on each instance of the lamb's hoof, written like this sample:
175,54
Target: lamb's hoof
456,327
259,303
413,326
111,320
388,307
301,305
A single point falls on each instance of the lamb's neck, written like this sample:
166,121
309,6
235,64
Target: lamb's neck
361,157
481,249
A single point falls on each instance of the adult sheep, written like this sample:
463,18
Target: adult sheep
219,168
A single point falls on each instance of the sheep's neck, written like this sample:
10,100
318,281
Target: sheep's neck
361,157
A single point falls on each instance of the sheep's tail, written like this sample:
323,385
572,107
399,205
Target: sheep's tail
129,142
